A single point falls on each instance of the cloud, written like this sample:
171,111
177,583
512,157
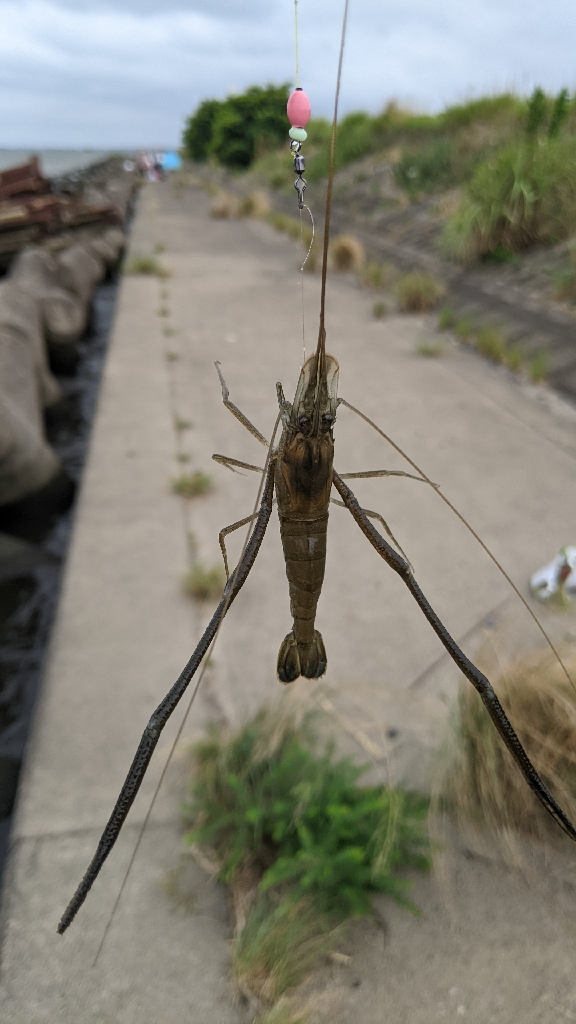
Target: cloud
124,74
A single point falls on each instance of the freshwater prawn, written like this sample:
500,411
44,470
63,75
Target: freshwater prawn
298,476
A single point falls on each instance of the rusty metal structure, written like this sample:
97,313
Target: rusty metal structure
31,210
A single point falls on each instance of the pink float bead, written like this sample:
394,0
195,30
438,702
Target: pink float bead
298,109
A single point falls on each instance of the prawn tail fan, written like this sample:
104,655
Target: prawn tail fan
296,659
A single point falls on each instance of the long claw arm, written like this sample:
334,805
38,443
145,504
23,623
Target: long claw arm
160,717
473,674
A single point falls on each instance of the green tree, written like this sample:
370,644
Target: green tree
198,131
238,129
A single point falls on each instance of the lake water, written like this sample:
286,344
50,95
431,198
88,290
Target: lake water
53,161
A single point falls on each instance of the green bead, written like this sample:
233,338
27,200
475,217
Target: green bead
299,134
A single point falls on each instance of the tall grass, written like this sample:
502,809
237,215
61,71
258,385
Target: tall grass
524,195
484,784
279,945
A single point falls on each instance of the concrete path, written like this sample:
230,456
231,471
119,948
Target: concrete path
504,455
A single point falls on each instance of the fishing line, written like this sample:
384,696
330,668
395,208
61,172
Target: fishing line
209,654
297,76
302,275
322,332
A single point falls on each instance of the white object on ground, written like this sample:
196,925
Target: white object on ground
558,575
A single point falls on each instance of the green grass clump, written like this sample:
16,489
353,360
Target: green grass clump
268,798
514,358
464,328
379,310
204,584
491,343
446,319
430,349
144,265
192,485
419,292
377,275
182,424
538,367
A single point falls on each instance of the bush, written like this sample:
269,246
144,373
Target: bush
419,292
236,130
523,196
266,797
426,168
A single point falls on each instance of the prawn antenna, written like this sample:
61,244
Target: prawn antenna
491,556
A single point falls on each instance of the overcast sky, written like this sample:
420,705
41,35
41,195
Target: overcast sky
125,73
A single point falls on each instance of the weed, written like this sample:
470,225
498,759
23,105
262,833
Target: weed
183,457
202,583
169,332
538,367
347,253
159,248
565,285
446,319
483,782
282,1013
279,945
255,204
418,292
464,328
267,798
514,358
192,485
431,349
378,275
181,424
379,310
491,343
171,357
225,206
163,311
143,265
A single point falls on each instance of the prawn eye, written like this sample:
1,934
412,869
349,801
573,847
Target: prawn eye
303,421
327,418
